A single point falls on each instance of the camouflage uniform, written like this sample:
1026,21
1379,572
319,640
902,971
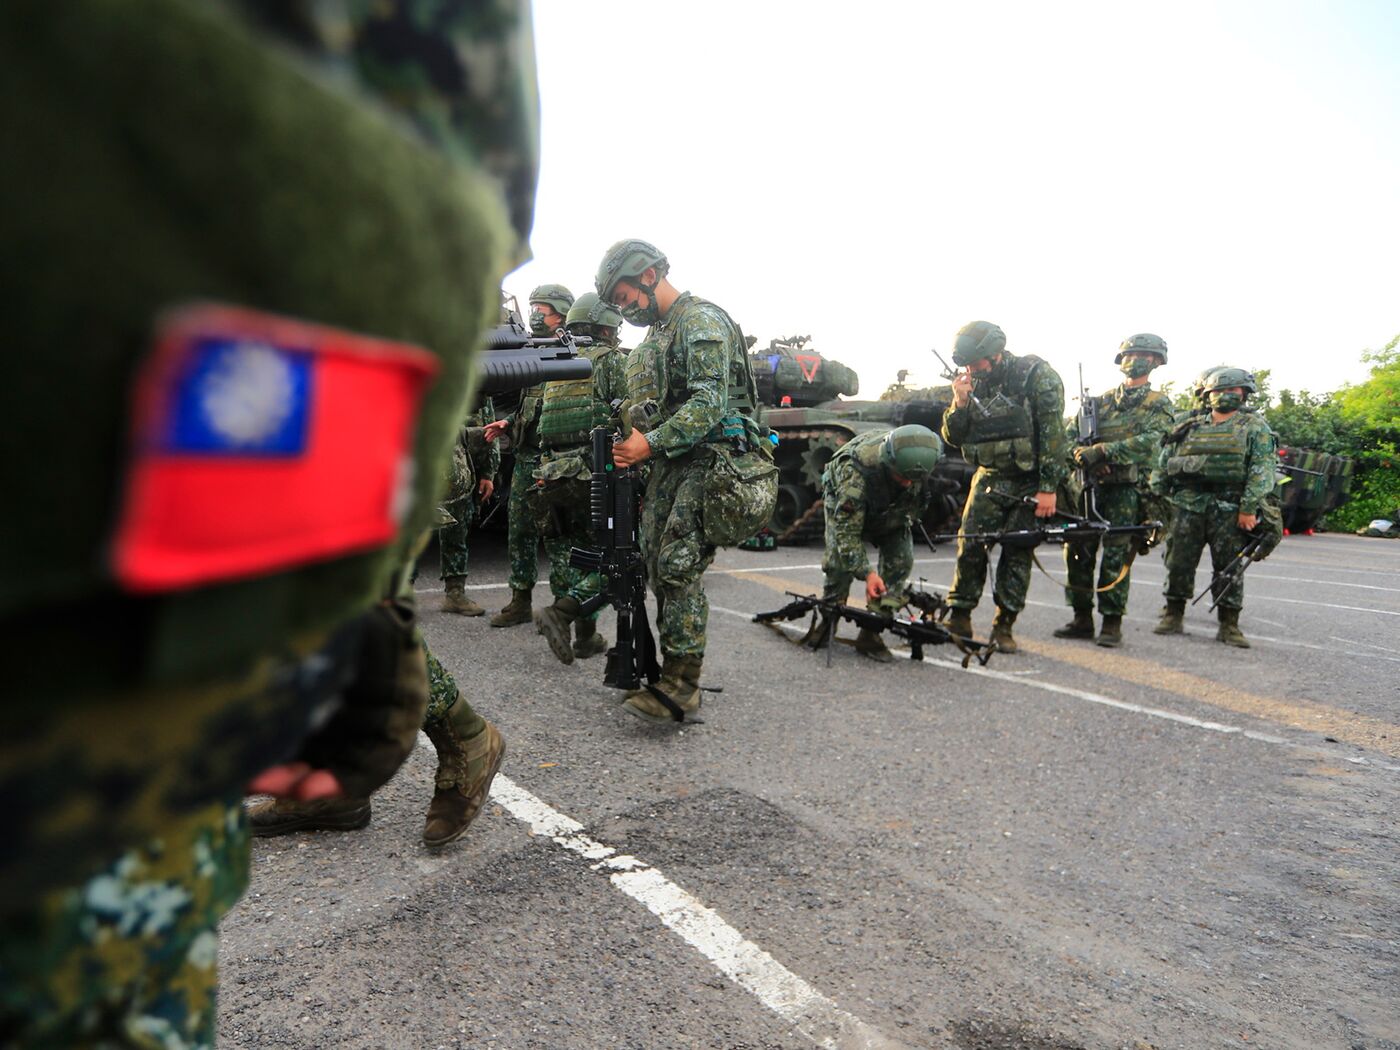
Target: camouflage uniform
1132,421
568,411
473,460
863,503
1018,452
425,140
522,531
692,364
1212,472
128,959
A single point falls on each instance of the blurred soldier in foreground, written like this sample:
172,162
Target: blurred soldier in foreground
1114,463
224,512
1218,470
549,307
1008,419
873,490
712,479
471,478
569,411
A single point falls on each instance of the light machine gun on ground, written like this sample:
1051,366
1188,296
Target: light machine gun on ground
920,629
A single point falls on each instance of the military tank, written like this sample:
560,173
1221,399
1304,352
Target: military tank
805,398
1317,483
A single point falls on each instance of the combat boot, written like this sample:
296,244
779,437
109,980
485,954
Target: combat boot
680,680
554,623
959,622
1001,631
1229,631
464,774
1082,626
819,635
1173,617
587,641
455,600
870,644
517,610
1111,634
280,816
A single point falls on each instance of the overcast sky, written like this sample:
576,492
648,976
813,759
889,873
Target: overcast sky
878,174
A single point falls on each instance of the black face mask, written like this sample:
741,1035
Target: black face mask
538,326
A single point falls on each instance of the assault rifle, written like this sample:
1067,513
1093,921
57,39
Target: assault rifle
1222,581
1073,530
919,631
1088,435
515,359
614,504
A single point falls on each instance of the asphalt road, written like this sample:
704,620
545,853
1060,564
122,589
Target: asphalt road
1174,844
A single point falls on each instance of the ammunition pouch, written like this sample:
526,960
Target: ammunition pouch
561,484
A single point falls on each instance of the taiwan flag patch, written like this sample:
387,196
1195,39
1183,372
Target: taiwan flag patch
261,443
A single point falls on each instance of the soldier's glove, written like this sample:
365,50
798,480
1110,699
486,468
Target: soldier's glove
376,725
1090,455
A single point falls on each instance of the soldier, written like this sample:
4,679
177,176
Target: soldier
568,413
1007,417
693,369
874,491
549,305
1218,471
227,617
471,480
1132,420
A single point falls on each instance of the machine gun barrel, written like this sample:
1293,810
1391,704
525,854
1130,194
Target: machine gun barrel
504,370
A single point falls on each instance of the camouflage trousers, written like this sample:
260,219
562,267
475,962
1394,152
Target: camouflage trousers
1120,505
1192,530
442,691
994,505
565,581
522,532
452,539
127,959
673,543
896,550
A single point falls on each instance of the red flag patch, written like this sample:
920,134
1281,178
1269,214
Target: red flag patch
260,443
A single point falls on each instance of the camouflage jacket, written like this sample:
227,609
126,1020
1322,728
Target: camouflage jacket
1045,398
1131,425
1253,467
693,364
863,501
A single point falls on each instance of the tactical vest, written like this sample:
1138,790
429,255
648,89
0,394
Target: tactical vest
900,505
1002,436
1212,455
648,379
570,409
1118,424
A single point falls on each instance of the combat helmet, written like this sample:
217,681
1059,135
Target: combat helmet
1225,376
911,451
556,295
588,309
977,341
1145,341
630,258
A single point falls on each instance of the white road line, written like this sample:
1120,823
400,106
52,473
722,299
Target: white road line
1108,701
739,959
1357,641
